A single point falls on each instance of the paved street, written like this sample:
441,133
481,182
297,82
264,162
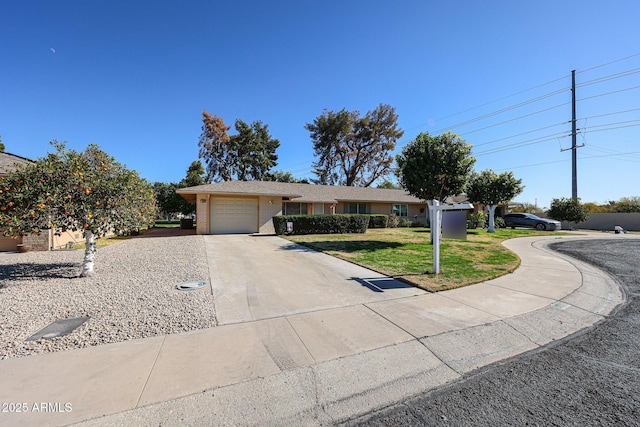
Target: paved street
590,378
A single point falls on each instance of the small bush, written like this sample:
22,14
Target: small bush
477,220
378,221
321,224
405,222
499,222
393,221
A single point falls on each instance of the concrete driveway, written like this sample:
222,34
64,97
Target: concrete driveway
262,277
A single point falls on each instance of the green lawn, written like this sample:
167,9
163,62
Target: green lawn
406,254
162,223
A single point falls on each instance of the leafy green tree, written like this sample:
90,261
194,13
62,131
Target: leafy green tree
528,207
255,151
248,155
625,205
1,145
567,209
195,175
491,189
282,176
168,201
595,208
435,167
353,150
390,185
69,190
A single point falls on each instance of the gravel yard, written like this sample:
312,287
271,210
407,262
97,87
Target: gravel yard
132,294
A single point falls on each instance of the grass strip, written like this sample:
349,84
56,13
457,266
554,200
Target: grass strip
406,254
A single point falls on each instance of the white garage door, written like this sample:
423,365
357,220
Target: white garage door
231,215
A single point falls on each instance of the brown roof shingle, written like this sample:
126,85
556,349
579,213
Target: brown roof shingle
8,162
304,192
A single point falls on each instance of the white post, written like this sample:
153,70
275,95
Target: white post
435,236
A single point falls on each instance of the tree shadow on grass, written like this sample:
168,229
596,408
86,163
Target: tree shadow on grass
66,270
348,246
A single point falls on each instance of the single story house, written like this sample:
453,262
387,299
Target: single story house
248,206
46,240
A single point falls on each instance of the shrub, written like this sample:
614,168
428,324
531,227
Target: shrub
393,221
405,222
321,224
499,222
378,221
477,220
565,209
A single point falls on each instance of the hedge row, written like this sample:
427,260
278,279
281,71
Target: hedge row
328,224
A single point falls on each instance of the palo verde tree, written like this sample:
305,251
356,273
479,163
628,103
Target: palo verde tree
491,189
353,150
248,155
70,190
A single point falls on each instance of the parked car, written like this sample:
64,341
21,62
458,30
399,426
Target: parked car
529,220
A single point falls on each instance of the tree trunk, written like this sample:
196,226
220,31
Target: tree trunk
89,255
492,223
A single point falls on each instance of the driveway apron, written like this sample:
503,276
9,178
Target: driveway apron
261,277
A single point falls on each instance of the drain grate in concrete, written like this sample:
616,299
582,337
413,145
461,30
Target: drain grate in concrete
59,328
191,286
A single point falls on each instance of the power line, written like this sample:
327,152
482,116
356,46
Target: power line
605,78
609,77
609,93
525,143
558,135
566,160
492,102
616,127
609,114
634,157
503,110
520,134
609,63
518,118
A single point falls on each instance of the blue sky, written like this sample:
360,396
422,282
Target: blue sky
134,78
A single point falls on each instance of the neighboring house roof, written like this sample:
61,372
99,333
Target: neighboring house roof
305,193
9,162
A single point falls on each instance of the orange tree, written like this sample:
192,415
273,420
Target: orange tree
70,190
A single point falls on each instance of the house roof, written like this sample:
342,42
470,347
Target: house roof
9,162
306,193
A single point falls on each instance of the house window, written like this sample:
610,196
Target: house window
357,208
400,210
293,208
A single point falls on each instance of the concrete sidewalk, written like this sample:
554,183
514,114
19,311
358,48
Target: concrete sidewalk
312,368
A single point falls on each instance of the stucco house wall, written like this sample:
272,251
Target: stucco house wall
271,196
268,207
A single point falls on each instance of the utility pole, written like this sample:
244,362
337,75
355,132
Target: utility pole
574,137
574,147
